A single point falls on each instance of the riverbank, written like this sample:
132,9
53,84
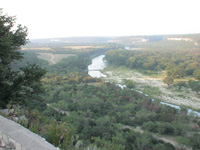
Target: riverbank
183,97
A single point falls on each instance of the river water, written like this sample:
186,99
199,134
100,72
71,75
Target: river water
98,64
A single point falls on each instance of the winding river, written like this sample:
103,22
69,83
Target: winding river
98,64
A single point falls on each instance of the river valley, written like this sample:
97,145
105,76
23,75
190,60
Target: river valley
168,96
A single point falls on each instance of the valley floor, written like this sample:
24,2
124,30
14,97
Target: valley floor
184,97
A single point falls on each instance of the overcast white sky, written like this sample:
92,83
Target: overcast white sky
66,18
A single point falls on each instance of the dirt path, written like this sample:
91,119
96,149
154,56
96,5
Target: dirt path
185,97
52,58
59,110
48,57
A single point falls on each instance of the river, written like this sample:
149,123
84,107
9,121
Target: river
98,64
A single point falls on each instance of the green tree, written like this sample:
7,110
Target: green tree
194,85
130,83
168,80
197,74
59,134
16,86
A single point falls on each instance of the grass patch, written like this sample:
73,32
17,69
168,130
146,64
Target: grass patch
152,91
122,70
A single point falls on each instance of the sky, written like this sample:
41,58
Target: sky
72,18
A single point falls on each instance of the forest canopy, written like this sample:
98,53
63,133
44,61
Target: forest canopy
177,63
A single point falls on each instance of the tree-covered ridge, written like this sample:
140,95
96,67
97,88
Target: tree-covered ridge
74,69
160,42
71,65
29,57
177,63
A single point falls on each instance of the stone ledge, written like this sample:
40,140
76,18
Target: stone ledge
15,136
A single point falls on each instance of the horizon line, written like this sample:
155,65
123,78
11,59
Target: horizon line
113,36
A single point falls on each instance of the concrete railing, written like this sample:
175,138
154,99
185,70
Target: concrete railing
15,137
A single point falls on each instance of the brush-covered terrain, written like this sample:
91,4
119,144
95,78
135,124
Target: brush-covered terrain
46,88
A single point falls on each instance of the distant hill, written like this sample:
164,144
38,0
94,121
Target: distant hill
125,40
73,40
130,40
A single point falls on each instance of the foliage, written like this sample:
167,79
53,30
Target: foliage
22,85
163,128
168,80
152,90
195,141
180,84
194,85
197,74
96,113
183,140
28,58
129,83
177,63
99,115
102,116
58,133
71,65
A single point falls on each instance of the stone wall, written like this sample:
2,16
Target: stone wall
15,137
8,143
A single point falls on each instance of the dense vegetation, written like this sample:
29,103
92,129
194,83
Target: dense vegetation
28,58
177,63
102,115
81,112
